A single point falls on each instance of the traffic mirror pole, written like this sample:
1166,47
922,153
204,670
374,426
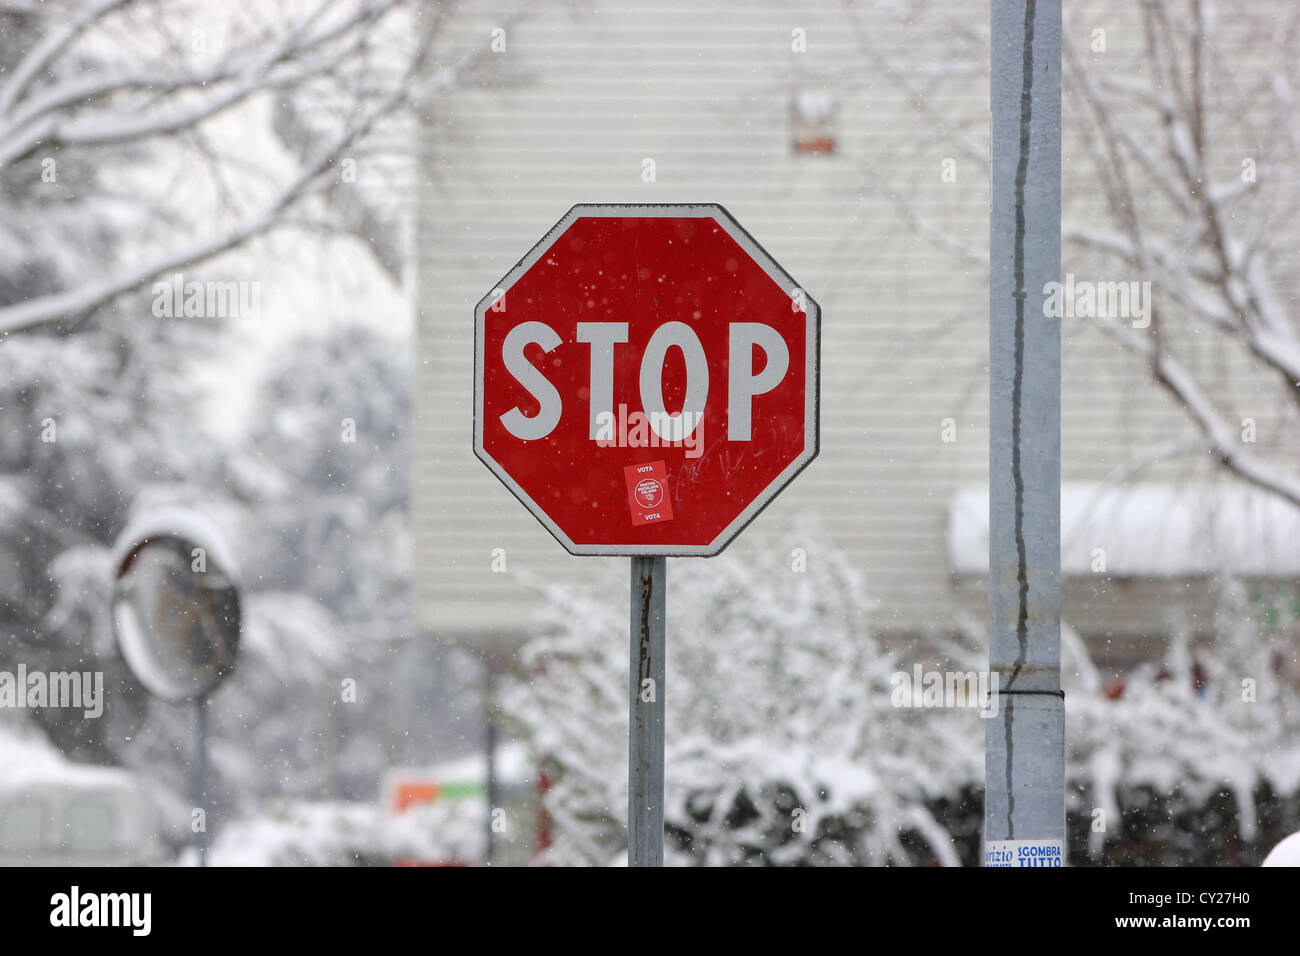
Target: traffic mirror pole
201,796
645,772
490,750
1024,797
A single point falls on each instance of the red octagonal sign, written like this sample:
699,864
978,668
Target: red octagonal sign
646,379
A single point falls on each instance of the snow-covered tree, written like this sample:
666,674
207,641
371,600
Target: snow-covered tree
324,464
1180,127
325,460
132,117
1195,156
1178,145
314,495
139,138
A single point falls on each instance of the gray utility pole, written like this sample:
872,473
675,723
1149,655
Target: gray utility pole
1024,799
645,766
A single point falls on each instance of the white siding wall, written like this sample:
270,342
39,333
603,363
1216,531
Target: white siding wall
581,96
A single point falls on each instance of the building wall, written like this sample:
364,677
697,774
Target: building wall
884,232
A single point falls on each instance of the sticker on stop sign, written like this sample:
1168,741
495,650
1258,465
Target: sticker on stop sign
647,493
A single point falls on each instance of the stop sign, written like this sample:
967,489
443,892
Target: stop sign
646,379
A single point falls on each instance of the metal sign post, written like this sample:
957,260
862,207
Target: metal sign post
201,798
1024,798
645,768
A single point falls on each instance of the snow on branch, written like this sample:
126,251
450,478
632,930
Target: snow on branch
50,120
1220,436
88,108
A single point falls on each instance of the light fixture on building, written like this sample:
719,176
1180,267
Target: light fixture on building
812,114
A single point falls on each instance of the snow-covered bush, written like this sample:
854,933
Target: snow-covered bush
783,746
1211,731
353,834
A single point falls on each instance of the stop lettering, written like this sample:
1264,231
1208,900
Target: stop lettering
605,339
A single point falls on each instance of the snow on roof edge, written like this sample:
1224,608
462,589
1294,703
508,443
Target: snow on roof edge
1149,531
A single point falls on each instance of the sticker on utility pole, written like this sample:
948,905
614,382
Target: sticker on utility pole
647,493
1000,853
